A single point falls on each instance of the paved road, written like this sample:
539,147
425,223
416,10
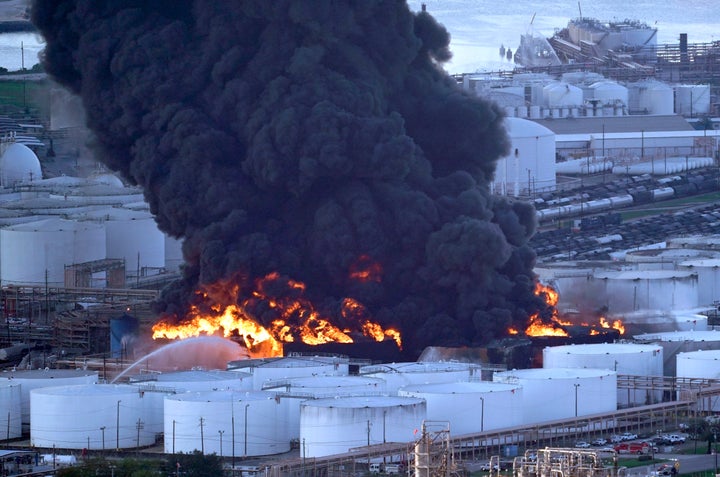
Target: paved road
688,464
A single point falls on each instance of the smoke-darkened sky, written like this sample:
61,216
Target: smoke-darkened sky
298,137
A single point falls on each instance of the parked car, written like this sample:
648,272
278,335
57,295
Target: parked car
582,444
599,442
615,439
674,438
628,436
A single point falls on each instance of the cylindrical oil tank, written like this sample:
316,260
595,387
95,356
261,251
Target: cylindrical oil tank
666,258
470,407
299,390
624,358
334,426
43,378
608,92
700,365
95,417
38,252
708,272
651,97
561,393
702,242
625,291
675,342
240,424
275,369
559,94
655,321
398,375
692,99
10,398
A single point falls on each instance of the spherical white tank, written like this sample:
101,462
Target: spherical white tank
87,416
298,390
19,163
398,375
42,378
624,358
274,369
470,407
649,289
674,342
38,252
10,398
226,423
334,426
708,273
561,393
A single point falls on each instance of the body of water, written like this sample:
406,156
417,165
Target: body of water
480,27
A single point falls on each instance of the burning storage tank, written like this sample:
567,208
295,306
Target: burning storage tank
92,416
624,358
334,426
559,393
470,407
274,369
398,375
626,291
299,390
226,423
43,378
10,399
675,342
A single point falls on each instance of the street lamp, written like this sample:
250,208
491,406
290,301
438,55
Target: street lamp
245,439
576,398
482,414
102,429
221,432
117,427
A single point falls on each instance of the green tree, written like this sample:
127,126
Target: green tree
196,465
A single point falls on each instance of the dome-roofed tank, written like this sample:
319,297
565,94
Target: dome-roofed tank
334,426
10,397
19,164
624,358
674,342
559,393
43,378
561,94
93,416
274,369
608,92
227,423
470,407
398,375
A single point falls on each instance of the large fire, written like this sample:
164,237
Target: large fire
557,326
293,318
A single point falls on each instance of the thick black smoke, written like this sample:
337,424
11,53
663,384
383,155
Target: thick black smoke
299,136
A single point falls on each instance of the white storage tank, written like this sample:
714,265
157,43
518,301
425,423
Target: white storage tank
702,242
701,365
561,393
87,416
608,92
398,375
656,321
334,426
675,342
651,97
559,94
18,163
299,390
708,273
10,399
248,423
275,369
624,358
37,252
470,407
625,291
692,99
530,165
43,378
666,258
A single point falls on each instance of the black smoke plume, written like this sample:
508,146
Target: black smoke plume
300,137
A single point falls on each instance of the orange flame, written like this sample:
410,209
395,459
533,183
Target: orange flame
537,327
296,319
366,270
